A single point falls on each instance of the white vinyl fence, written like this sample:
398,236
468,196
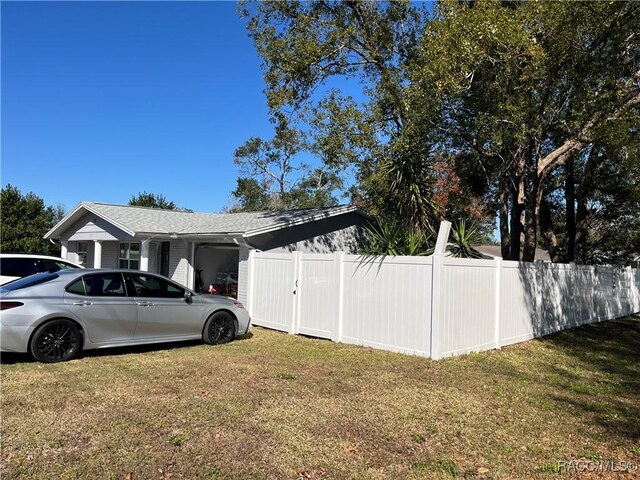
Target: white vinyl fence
433,306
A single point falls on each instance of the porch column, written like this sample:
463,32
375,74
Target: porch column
144,255
191,248
64,248
97,254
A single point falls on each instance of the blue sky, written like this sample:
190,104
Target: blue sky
102,100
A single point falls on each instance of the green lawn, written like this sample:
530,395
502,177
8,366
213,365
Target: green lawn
287,407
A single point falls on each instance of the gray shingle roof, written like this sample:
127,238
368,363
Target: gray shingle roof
140,220
495,251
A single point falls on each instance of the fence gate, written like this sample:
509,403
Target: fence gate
273,282
317,295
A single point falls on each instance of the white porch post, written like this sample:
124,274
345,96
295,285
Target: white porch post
97,254
144,255
64,248
191,248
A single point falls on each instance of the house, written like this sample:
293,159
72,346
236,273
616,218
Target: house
200,249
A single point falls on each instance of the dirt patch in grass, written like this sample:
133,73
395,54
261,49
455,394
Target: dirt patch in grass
280,406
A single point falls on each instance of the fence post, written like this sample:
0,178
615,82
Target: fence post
437,274
297,284
436,285
336,334
251,274
496,331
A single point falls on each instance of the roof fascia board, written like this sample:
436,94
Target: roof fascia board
300,221
63,221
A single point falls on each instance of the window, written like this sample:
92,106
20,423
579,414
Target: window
47,265
130,256
99,285
36,279
18,267
82,251
151,286
77,287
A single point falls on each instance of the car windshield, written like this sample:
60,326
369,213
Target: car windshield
29,281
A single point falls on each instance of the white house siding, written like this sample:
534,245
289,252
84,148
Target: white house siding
72,249
178,254
91,227
344,240
243,274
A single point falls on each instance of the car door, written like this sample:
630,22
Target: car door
163,310
101,302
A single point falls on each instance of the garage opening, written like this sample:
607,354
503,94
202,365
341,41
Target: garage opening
216,269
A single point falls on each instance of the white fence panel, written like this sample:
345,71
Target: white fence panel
272,299
468,306
432,306
387,303
518,303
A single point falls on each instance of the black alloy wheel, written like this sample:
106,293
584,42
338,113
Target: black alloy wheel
220,328
56,341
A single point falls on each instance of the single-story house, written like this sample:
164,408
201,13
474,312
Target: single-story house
200,250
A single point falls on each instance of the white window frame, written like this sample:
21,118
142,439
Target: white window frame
128,258
82,251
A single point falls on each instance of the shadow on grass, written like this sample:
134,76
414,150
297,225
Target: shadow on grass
7,358
609,353
593,372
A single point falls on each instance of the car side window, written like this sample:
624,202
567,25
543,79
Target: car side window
77,287
150,286
105,285
17,267
47,265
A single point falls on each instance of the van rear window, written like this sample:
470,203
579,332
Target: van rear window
29,281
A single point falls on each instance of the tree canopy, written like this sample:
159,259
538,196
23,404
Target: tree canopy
527,112
25,220
152,200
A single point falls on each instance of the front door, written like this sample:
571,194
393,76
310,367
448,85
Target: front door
164,258
163,310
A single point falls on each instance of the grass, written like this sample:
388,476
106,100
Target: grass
285,407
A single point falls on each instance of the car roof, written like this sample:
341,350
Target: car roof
30,255
89,271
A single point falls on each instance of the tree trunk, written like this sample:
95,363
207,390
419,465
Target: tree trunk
549,234
570,214
582,213
505,241
518,211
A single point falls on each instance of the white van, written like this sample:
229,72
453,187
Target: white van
18,265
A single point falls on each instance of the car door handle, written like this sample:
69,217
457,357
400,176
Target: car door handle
84,303
145,304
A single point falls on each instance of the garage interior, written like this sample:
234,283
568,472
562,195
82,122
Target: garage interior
216,269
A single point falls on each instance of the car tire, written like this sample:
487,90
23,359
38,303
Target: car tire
220,328
56,341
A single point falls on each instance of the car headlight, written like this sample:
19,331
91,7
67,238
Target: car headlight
238,304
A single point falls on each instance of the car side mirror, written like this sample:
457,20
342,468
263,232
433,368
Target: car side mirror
188,297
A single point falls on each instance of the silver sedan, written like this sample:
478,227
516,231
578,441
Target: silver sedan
55,315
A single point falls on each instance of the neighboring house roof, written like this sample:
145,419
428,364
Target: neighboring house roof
143,220
495,251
